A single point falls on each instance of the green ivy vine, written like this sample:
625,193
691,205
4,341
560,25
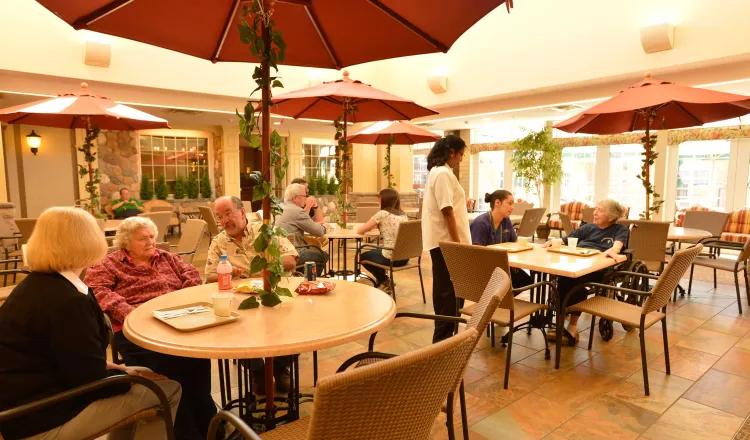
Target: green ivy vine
266,44
387,167
93,202
343,152
653,203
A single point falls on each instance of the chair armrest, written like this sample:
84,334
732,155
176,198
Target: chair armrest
234,420
722,244
636,274
361,356
535,285
184,253
368,245
166,412
12,260
620,289
172,246
454,319
309,246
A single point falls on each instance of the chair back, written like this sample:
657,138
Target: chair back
669,278
745,253
519,208
359,403
365,213
364,204
408,243
566,223
471,268
161,219
710,221
161,209
163,246
497,293
192,234
574,209
208,216
587,215
25,228
648,239
530,221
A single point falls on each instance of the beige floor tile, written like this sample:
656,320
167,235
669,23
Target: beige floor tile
722,391
569,358
522,381
736,361
681,324
608,418
521,421
685,362
688,420
578,387
620,361
729,325
709,341
700,311
664,390
716,301
493,359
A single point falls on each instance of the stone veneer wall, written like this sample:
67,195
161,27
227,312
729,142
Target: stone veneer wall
218,166
119,162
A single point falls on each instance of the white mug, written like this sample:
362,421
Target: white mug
523,241
222,303
572,243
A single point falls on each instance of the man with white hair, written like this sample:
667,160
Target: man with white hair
295,220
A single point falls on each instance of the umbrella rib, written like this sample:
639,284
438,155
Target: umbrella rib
86,20
407,24
392,108
226,31
306,108
688,113
316,24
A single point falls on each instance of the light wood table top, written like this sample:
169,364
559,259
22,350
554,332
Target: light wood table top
678,233
539,260
297,325
111,225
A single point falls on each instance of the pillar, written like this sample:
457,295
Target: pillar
231,160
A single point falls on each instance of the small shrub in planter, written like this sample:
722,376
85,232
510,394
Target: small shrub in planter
192,187
180,188
162,190
147,189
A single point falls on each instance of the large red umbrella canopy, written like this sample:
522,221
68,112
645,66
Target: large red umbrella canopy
399,133
673,106
81,110
326,101
318,33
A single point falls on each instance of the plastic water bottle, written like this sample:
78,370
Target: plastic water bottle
224,270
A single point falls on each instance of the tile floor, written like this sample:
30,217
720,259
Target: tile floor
596,394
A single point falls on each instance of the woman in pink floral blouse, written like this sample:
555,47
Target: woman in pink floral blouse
134,274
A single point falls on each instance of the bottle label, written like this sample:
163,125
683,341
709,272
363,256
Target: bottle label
225,281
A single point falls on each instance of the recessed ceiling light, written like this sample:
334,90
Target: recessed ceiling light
486,119
277,123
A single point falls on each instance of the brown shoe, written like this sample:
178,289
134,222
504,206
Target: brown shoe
259,382
283,384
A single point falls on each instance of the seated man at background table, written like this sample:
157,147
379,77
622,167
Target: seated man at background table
236,241
126,206
311,203
295,221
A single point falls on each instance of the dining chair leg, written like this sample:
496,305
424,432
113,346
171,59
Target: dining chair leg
393,283
643,354
464,414
492,334
591,331
690,282
558,339
421,283
509,351
449,418
221,383
737,288
747,287
666,342
315,368
714,278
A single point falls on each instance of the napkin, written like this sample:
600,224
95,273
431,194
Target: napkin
169,314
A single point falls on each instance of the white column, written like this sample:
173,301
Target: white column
507,170
737,177
659,177
601,173
231,159
670,182
3,186
474,175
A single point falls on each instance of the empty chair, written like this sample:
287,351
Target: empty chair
567,225
530,222
710,221
25,228
161,220
192,234
647,242
365,213
208,215
734,266
653,310
587,215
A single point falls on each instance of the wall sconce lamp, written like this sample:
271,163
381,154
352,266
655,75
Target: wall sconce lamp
657,38
438,84
34,141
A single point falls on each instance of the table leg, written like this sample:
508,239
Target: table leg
345,274
270,416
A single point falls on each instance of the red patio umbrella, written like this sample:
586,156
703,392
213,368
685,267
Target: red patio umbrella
653,103
390,133
82,110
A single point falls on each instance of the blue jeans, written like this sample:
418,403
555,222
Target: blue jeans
376,256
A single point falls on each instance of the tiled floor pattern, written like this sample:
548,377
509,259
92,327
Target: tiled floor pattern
596,394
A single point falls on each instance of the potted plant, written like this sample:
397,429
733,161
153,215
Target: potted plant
192,186
162,190
147,189
537,160
180,188
205,186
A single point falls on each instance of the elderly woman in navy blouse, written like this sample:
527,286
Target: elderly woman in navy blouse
495,227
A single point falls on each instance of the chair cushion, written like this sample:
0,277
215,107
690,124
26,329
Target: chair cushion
574,210
680,216
501,317
614,310
733,236
395,269
718,263
738,222
290,431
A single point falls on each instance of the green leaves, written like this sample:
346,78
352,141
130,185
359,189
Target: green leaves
537,160
283,291
249,303
259,263
261,243
261,191
269,299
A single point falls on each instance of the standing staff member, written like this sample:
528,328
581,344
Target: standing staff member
444,218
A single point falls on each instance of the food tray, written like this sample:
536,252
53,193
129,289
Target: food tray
196,321
578,252
512,247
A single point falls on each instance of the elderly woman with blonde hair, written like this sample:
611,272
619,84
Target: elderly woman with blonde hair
135,273
54,337
604,235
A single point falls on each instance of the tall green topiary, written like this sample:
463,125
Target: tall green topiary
192,186
180,188
332,185
162,190
312,185
205,186
147,189
538,160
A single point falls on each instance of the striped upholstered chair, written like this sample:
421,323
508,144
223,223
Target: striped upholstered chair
737,227
574,210
680,216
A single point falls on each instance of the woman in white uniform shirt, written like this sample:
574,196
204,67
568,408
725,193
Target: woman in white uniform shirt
444,218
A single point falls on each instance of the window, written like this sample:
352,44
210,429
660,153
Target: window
520,193
420,171
578,165
318,161
702,169
171,157
490,175
625,162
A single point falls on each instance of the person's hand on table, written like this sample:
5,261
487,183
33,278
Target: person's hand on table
610,253
237,272
549,242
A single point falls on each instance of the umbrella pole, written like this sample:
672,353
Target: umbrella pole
266,138
346,168
647,162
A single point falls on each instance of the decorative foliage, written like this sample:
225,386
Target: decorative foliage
92,203
537,160
206,186
162,190
333,186
653,204
180,188
343,152
387,167
192,186
147,189
267,44
312,185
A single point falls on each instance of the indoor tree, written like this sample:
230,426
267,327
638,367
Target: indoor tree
537,160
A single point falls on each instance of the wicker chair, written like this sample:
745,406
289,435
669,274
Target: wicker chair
567,225
208,215
192,234
734,266
395,399
408,245
653,310
25,228
162,410
365,213
161,220
520,208
647,242
587,215
530,222
471,267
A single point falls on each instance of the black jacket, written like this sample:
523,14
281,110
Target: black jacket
52,338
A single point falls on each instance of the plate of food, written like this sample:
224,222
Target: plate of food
314,287
251,287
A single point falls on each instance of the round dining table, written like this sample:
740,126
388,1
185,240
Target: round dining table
301,324
335,233
677,233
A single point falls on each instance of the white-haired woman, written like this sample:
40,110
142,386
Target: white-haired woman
53,338
605,235
132,275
